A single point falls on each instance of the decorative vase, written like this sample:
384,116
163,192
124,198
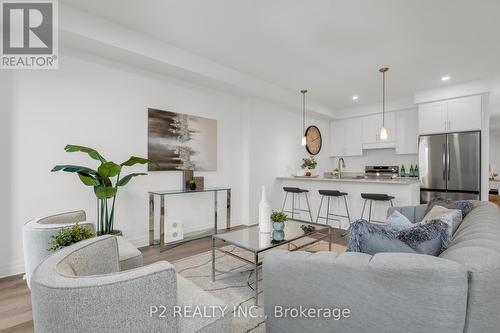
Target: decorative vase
278,226
264,213
192,187
278,235
264,239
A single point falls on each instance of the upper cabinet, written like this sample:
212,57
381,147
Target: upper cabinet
455,115
371,131
337,142
350,136
345,136
464,114
432,117
353,144
407,132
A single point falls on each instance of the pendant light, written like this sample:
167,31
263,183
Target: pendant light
383,130
304,139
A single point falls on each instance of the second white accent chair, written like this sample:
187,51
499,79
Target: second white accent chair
37,235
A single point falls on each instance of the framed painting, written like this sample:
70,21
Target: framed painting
178,141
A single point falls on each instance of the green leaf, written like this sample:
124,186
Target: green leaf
88,179
70,235
109,169
105,192
90,151
124,181
74,168
136,160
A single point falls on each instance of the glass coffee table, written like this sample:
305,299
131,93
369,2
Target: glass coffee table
252,240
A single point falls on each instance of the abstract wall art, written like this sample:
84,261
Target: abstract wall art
179,141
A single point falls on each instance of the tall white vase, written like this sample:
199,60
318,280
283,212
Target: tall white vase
264,213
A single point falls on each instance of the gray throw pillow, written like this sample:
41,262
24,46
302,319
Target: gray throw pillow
464,205
397,221
427,238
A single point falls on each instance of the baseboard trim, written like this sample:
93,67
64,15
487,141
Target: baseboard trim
139,241
14,268
17,267
142,241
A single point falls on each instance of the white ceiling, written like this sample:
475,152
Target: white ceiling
332,48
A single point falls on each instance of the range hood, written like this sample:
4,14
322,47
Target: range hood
379,145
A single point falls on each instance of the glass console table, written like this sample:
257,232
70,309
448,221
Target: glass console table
163,194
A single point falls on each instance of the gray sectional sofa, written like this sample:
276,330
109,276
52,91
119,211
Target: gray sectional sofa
80,288
459,291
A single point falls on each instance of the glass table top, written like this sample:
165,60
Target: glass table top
252,239
181,191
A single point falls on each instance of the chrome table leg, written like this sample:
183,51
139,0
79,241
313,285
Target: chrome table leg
228,216
151,219
256,286
213,259
162,224
215,212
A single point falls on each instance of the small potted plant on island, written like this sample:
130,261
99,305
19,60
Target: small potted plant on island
335,172
192,184
309,164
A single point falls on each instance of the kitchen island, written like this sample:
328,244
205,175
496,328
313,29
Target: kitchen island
406,191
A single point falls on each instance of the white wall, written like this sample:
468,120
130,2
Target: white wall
7,165
93,104
494,164
98,103
276,150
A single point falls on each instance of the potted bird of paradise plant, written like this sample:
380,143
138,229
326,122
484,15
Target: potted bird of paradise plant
105,180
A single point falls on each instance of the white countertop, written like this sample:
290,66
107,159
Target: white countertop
396,181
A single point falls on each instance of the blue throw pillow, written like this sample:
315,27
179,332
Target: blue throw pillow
427,238
397,221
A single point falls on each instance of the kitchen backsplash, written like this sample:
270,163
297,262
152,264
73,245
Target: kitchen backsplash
377,157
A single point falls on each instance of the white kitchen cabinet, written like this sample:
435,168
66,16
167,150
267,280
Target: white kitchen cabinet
454,115
336,138
432,117
371,128
371,131
464,114
353,139
345,136
407,132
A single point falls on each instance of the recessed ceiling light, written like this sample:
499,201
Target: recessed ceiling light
445,78
355,97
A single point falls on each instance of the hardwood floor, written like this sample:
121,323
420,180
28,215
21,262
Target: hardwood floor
495,199
15,303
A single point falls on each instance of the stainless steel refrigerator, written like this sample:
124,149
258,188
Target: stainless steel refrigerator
450,166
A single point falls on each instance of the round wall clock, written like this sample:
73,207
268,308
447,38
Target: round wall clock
313,140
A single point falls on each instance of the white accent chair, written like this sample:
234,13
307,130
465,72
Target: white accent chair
80,289
37,235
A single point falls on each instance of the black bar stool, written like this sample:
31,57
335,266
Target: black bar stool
374,197
296,191
332,194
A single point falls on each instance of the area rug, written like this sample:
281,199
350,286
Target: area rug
234,282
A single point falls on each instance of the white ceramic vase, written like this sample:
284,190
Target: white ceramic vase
264,213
